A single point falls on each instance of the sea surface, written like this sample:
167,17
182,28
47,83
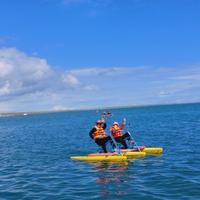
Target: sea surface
35,151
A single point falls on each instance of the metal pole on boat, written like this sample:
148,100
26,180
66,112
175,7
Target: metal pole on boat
133,138
105,115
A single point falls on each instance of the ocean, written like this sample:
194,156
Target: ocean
35,151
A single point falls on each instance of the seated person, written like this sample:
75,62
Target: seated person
98,134
116,131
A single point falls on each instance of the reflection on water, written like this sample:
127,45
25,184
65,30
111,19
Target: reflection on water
110,177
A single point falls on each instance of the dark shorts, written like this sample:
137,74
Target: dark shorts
122,138
102,141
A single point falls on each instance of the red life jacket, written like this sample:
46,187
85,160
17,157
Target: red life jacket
116,131
99,133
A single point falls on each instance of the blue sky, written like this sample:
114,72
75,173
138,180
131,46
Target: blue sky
72,54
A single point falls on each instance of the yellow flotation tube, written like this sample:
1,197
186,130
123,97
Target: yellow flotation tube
147,150
109,156
137,154
153,150
100,158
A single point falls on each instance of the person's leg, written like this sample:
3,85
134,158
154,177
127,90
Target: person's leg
102,143
126,136
124,144
108,138
104,148
121,141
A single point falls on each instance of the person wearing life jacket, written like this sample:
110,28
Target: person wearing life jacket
117,132
98,134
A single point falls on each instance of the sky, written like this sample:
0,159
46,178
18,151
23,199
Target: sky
82,54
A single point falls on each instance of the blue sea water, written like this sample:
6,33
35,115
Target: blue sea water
35,150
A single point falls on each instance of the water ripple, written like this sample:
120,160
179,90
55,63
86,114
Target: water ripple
35,154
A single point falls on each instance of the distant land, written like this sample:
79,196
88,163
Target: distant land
9,114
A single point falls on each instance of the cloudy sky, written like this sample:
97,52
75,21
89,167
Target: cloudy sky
79,54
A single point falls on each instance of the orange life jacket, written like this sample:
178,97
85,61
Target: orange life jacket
116,131
99,133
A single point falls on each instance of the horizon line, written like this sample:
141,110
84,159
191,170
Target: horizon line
90,109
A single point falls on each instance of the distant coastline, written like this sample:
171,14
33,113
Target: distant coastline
9,114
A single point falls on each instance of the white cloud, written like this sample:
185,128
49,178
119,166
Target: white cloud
21,73
30,78
17,62
29,83
59,108
5,68
100,71
188,77
5,89
91,87
70,80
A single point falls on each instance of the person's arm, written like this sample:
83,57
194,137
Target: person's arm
104,125
112,131
91,132
123,123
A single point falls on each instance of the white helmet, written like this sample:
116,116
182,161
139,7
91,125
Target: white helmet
116,123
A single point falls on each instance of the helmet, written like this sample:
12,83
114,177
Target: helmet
116,123
99,122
